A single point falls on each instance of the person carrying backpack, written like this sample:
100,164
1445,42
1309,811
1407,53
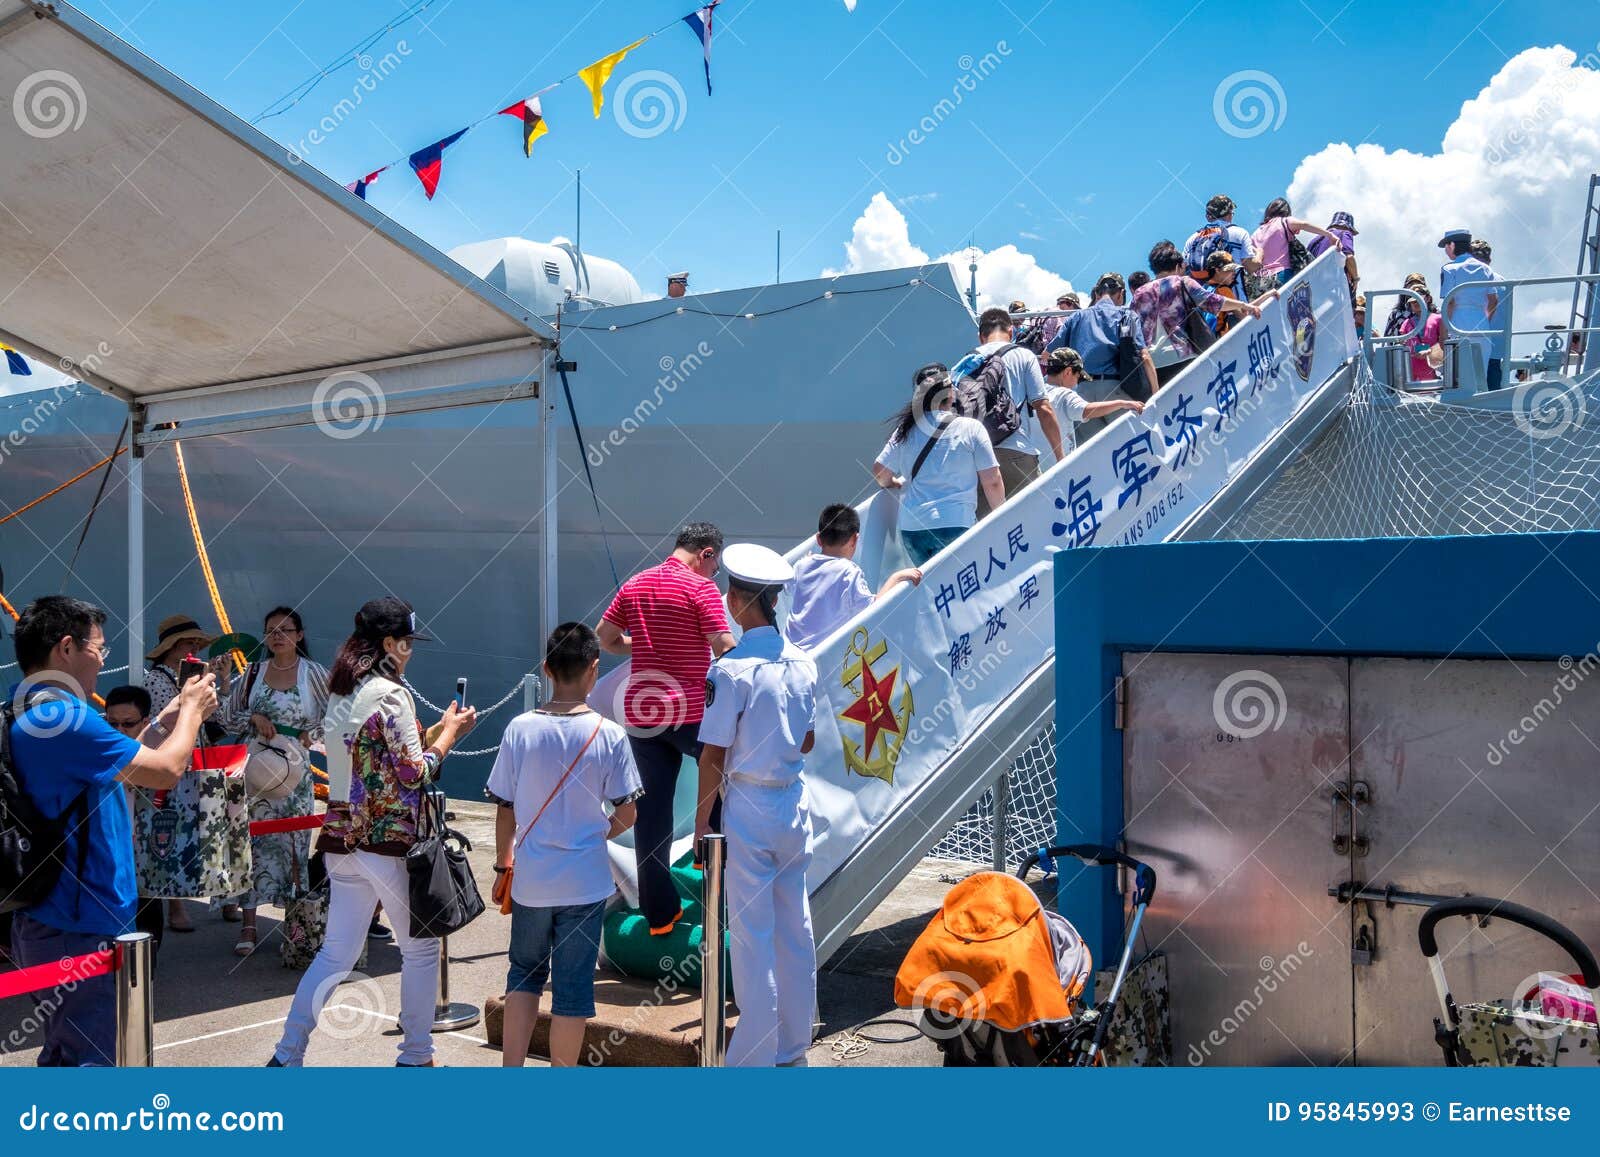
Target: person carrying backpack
66,842
999,385
1277,240
1110,337
1220,233
935,459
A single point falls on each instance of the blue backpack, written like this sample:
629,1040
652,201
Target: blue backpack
1202,245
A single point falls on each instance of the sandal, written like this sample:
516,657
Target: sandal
182,924
232,913
247,941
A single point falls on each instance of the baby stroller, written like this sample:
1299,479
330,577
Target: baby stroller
999,980
1552,1024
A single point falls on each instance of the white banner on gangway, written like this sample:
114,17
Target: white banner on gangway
902,686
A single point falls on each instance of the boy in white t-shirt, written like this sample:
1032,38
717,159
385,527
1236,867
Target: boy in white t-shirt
557,769
829,588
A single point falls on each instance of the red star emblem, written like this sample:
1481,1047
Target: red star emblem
873,710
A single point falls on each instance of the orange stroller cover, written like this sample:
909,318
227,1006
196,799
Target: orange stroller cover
992,953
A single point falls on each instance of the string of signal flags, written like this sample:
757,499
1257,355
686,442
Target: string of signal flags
428,162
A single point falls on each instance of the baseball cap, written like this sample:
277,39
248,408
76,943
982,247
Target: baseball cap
1461,237
1414,279
1220,264
1064,358
389,617
1110,282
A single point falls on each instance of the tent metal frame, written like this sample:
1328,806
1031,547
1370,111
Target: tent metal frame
485,373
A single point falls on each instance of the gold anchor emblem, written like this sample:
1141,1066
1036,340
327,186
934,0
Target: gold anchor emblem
874,709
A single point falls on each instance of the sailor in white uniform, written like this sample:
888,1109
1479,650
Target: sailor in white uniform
760,704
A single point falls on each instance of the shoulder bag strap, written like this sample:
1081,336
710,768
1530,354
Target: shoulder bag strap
559,784
938,432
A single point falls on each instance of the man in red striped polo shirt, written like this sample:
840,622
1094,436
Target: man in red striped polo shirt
672,621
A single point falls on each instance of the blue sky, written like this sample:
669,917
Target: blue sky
1091,134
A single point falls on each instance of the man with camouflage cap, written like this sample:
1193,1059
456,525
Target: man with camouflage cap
1063,374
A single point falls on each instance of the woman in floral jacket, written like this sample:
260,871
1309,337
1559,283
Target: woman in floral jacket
378,769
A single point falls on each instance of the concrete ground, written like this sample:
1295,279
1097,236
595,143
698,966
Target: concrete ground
215,1009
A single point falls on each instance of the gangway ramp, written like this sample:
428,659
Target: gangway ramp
930,695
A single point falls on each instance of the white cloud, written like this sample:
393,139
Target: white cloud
881,239
1513,168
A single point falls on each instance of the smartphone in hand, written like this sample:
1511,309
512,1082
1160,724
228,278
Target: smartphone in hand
461,692
190,668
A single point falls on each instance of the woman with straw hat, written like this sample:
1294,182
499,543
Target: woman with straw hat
155,856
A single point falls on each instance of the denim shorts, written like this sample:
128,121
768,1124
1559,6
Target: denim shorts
564,940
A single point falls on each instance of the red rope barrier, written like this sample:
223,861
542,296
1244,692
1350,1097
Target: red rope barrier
68,970
291,824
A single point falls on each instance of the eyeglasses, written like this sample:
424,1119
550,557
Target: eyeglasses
98,650
716,563
127,724
282,630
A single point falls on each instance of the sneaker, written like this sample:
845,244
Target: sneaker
273,1062
666,928
377,930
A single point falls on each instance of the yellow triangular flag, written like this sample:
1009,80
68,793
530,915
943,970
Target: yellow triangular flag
596,75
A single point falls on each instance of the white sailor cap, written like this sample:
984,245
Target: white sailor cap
756,566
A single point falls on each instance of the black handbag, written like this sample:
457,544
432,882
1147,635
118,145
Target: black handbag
444,895
1130,363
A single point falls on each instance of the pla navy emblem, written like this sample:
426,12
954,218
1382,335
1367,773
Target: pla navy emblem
1303,329
883,723
163,832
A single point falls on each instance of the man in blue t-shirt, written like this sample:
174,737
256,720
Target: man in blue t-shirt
64,752
1469,315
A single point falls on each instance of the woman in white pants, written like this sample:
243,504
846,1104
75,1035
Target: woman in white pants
378,770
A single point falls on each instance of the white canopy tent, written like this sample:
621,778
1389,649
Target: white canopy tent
165,252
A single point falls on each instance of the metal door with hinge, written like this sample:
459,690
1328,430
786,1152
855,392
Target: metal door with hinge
1484,779
1232,765
1301,812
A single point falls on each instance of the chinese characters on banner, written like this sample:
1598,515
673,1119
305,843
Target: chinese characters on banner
904,684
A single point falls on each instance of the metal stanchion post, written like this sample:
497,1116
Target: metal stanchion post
448,1015
530,691
713,988
136,1001
1002,819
